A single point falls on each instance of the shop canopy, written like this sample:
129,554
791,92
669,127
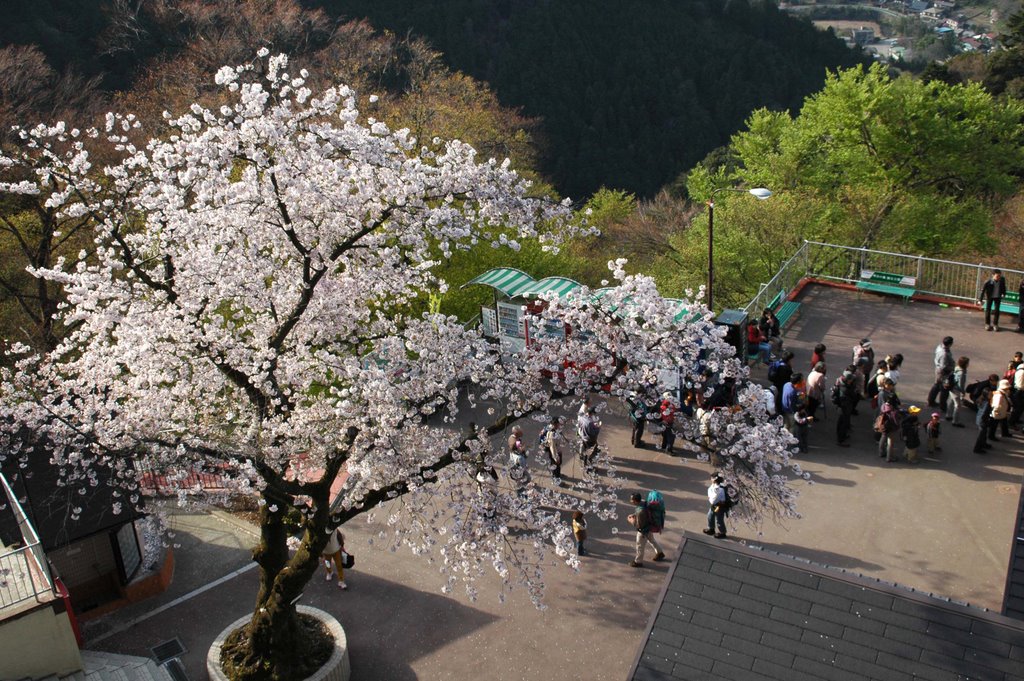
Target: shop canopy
518,284
508,280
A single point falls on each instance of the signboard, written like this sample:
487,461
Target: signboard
489,321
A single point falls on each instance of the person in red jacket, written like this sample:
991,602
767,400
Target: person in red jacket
668,417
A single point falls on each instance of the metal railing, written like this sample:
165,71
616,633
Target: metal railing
830,262
24,571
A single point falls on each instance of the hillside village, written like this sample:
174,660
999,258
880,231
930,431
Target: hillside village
959,28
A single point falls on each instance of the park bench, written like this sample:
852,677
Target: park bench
1010,303
888,283
784,309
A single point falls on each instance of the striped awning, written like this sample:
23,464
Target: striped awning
559,285
508,280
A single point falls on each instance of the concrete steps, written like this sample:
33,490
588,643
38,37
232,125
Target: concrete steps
101,666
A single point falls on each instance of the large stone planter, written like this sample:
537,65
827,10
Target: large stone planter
335,669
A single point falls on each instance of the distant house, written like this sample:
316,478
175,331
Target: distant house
862,35
917,6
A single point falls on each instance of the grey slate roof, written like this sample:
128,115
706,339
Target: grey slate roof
732,612
1013,596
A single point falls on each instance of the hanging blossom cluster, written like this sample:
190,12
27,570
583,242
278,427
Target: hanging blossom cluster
624,338
246,315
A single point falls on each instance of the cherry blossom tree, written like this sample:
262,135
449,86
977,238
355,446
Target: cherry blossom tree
254,308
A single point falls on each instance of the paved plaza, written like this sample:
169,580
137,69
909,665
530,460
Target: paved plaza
943,527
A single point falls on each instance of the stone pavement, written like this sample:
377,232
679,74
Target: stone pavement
944,527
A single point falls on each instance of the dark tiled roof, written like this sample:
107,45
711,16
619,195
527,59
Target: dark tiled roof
732,612
1013,596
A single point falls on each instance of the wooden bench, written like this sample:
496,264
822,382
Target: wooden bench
888,283
1010,303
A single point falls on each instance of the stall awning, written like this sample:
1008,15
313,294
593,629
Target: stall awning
559,285
508,280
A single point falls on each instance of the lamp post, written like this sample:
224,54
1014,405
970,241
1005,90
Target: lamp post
758,192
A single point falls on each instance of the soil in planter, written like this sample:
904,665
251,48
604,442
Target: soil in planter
313,647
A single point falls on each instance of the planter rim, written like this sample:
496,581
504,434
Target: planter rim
336,668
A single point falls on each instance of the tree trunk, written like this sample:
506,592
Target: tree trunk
273,645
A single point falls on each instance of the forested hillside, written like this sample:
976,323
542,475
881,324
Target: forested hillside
630,94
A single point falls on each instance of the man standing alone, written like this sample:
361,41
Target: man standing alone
717,497
944,363
992,293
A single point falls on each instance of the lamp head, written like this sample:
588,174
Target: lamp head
761,193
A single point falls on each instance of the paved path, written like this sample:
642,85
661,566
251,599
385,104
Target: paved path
944,526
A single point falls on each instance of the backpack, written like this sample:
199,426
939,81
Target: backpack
656,509
732,496
976,389
837,392
873,386
773,370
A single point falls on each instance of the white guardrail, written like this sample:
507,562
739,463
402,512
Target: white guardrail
830,262
24,571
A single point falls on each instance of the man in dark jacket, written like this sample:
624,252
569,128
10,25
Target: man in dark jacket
779,373
846,386
992,293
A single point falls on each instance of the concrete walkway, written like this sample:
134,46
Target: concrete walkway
944,527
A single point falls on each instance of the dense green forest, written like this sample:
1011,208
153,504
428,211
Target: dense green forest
662,106
629,95
626,96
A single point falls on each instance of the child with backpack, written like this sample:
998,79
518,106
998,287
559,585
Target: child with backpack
910,429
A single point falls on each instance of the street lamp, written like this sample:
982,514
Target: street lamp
759,193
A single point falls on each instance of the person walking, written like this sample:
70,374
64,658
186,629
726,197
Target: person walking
637,419
910,431
792,400
1020,307
983,400
888,425
933,429
1017,396
552,436
895,363
579,532
801,428
589,430
1000,412
779,373
668,419
717,500
944,364
992,292
818,356
332,553
957,391
518,464
640,519
816,389
844,397
864,356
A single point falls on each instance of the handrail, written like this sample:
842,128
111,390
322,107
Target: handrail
26,571
950,279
